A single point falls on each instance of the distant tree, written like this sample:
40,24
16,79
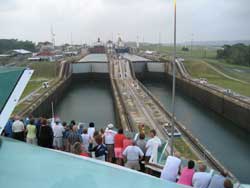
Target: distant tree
11,44
235,54
185,49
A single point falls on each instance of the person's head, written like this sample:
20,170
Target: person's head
120,131
17,117
224,173
72,123
91,124
202,168
30,116
191,164
102,131
98,139
44,121
228,183
177,154
96,133
77,148
110,126
152,133
85,131
133,143
64,124
141,136
32,121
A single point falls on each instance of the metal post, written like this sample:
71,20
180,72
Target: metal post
173,87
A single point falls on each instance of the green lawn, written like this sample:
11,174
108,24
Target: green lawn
198,69
197,51
43,71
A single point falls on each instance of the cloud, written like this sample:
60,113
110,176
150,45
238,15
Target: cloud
86,20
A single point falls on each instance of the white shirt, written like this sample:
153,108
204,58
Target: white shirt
91,131
132,153
85,141
171,168
109,136
58,130
201,179
17,126
151,143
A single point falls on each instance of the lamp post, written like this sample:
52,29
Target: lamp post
173,87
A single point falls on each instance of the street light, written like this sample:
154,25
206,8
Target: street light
173,87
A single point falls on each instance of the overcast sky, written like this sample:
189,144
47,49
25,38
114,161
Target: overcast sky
206,20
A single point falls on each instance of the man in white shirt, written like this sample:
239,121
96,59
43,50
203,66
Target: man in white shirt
91,129
58,130
152,144
18,129
133,154
201,179
85,139
109,136
171,168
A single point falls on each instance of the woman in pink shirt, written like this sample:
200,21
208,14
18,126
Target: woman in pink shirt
187,174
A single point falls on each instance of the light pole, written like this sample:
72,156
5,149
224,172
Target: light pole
173,87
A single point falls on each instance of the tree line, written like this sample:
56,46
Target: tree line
236,54
11,44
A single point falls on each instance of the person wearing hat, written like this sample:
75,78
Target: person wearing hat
109,136
58,130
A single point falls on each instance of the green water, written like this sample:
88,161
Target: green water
88,101
228,143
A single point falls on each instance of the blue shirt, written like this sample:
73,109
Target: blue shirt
8,128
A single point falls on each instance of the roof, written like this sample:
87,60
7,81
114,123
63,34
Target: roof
46,168
22,51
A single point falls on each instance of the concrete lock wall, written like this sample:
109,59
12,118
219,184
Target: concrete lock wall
90,67
155,67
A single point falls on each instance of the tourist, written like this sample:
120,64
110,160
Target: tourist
85,139
31,132
100,149
217,180
127,142
171,167
91,129
38,125
78,149
74,137
58,130
187,174
8,127
201,179
152,145
45,135
18,129
109,136
118,139
228,183
101,132
65,135
80,129
132,155
141,143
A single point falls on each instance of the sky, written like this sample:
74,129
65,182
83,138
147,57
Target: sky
145,20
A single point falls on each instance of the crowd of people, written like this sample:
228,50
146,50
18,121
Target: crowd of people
111,146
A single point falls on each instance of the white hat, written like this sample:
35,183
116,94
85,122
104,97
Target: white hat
110,126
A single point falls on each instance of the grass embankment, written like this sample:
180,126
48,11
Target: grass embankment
200,69
43,71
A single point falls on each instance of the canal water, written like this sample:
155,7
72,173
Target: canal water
88,101
229,144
